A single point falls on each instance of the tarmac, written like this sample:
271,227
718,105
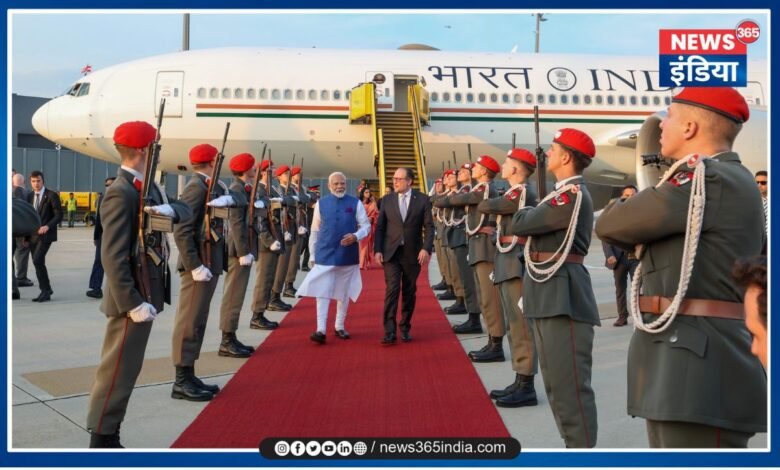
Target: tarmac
55,348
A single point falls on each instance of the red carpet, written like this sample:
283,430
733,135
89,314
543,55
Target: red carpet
293,387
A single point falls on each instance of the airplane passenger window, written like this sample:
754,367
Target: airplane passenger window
470,97
435,97
445,97
493,98
482,98
276,94
632,100
458,97
324,95
505,97
564,99
668,101
540,98
656,100
251,94
347,94
238,93
622,100
575,99
263,95
552,99
586,99
201,92
288,94
337,94
610,100
213,93
226,93
300,95
312,95
599,99
645,100
517,98
529,98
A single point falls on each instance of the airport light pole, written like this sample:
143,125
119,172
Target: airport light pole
185,46
539,18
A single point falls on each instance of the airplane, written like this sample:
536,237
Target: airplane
298,102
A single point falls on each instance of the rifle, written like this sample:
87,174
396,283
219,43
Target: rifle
213,212
145,221
269,181
469,148
541,159
251,212
302,222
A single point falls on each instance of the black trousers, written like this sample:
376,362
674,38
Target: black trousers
39,250
622,272
96,276
400,278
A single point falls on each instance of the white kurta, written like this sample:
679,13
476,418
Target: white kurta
334,282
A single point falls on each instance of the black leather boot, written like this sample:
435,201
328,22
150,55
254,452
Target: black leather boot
523,395
472,325
507,390
289,290
447,295
185,387
230,347
494,352
277,305
203,386
259,322
105,441
440,286
458,308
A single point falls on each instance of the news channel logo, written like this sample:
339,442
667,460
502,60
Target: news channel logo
706,57
314,448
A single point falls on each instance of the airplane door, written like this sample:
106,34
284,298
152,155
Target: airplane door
385,93
169,86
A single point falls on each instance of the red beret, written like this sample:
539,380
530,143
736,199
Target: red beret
316,187
203,153
488,162
281,170
576,140
467,166
266,163
522,155
448,173
722,100
135,134
242,162
295,170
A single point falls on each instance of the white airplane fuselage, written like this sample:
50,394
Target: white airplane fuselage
295,101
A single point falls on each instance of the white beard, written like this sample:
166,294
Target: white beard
339,195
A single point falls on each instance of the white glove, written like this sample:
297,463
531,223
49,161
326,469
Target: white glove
276,246
259,204
222,201
302,231
201,274
276,199
246,260
142,313
491,276
311,263
163,209
287,236
297,199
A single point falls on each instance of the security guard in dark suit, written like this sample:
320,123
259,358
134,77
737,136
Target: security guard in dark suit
240,258
290,235
199,273
508,276
270,245
481,230
690,372
557,291
302,229
129,315
48,205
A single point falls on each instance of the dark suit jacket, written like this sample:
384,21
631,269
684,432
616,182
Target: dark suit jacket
19,192
50,211
390,228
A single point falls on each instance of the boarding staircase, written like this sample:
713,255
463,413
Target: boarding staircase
397,136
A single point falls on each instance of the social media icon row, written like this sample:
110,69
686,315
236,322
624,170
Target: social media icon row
315,448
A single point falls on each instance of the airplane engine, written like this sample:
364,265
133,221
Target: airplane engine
751,145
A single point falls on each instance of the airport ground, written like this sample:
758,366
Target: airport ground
55,348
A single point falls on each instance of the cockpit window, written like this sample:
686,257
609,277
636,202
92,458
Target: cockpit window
78,89
84,89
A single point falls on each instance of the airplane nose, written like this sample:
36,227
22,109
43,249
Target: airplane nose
40,121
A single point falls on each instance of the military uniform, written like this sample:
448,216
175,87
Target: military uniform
284,258
295,253
125,341
267,259
700,370
440,246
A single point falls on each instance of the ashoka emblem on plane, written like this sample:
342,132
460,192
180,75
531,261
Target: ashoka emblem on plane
561,79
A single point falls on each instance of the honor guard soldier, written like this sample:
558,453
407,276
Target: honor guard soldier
302,229
439,243
459,307
201,261
240,257
270,243
289,229
313,198
457,243
690,371
481,230
519,165
557,291
129,313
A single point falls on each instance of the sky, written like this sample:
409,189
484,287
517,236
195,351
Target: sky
48,50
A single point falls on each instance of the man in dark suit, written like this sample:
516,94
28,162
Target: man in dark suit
399,246
47,203
623,264
96,276
22,244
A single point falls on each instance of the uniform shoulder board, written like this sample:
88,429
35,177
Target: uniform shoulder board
560,200
512,195
681,178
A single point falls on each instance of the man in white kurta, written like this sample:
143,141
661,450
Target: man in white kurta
339,223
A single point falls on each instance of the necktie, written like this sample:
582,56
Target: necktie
37,200
403,207
138,184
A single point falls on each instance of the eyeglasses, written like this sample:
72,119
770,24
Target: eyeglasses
762,182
